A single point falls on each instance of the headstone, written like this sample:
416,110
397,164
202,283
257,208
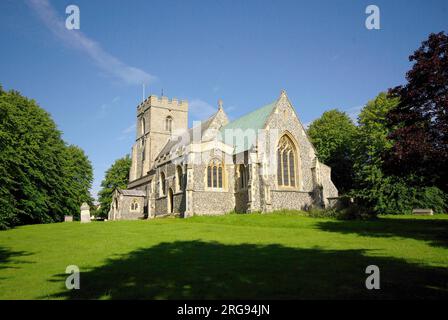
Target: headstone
68,218
85,213
423,212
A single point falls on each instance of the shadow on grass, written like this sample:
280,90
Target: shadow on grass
211,270
433,231
8,257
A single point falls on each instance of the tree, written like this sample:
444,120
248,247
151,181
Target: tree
372,140
377,191
38,180
31,151
332,135
117,176
370,183
78,176
420,121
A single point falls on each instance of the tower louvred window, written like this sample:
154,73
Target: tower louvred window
169,123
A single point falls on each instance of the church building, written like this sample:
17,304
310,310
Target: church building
261,162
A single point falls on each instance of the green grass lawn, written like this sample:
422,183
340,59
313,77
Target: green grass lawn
279,256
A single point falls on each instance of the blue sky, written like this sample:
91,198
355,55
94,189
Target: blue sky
242,51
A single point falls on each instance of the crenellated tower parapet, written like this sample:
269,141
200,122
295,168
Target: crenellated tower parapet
157,119
162,102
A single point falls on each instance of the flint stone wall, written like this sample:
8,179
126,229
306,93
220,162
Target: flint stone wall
126,213
291,200
213,202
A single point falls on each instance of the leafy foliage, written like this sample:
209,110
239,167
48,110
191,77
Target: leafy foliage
371,143
395,195
79,177
420,121
377,191
400,147
41,179
117,176
433,198
372,137
332,135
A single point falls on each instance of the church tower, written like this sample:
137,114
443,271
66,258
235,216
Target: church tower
157,119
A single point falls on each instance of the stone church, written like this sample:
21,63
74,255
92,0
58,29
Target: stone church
261,162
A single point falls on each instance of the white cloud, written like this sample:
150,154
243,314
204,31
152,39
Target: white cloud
79,41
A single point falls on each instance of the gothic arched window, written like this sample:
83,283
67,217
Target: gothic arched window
215,174
134,205
286,163
243,176
162,184
169,123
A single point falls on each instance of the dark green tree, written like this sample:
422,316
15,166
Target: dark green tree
372,140
371,143
377,191
31,158
38,182
78,178
117,176
332,135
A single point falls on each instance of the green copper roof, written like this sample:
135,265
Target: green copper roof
254,120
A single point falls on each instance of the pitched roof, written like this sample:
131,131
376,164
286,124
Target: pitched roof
204,125
254,120
133,192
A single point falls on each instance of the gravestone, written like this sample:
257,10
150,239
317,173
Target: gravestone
423,212
85,213
68,218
